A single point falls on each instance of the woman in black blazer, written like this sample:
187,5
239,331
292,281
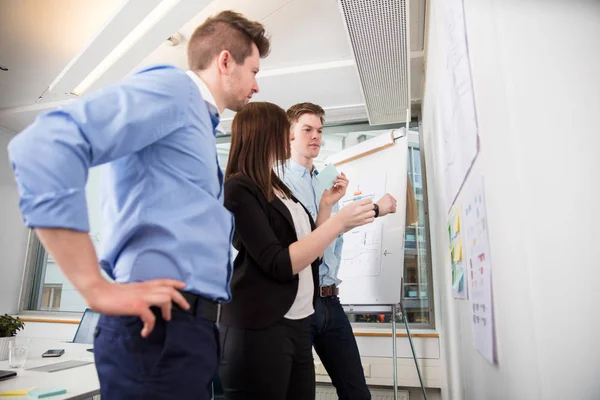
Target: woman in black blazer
264,331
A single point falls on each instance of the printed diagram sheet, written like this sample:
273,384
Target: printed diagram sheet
480,269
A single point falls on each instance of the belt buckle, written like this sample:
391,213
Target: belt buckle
327,291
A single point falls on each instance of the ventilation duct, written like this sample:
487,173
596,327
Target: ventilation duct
378,35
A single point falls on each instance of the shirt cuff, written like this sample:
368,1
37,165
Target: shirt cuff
67,209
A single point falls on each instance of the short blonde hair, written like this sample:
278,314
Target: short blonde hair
297,110
229,31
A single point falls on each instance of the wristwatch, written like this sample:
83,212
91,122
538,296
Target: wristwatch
376,209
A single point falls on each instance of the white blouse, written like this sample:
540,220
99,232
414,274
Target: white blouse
303,304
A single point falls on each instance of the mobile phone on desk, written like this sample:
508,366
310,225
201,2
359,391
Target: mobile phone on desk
54,353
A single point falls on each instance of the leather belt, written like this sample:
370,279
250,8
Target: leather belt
199,306
328,291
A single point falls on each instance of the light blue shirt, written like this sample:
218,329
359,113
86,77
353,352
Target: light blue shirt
308,190
162,192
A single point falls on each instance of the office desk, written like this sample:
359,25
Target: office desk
80,382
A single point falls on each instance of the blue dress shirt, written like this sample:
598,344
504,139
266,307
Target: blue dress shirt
162,192
308,190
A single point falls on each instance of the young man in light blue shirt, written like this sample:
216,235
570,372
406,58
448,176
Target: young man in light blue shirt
332,334
166,235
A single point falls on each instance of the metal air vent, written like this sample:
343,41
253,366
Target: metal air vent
378,35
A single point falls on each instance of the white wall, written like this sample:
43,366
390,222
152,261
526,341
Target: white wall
535,67
13,234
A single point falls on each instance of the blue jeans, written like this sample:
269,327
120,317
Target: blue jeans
335,344
178,360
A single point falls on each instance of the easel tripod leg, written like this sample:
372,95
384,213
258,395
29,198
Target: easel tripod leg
394,353
412,347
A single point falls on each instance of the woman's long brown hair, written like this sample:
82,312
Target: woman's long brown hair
260,140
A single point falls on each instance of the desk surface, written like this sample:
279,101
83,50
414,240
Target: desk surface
80,382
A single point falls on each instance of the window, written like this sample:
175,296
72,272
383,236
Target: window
417,269
46,288
51,295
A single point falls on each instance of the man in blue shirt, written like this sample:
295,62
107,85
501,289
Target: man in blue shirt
166,235
332,334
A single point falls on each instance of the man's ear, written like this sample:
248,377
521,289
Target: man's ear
224,60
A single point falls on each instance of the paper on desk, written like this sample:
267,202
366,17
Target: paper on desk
16,392
327,176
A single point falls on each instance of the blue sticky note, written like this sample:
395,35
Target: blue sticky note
327,176
42,393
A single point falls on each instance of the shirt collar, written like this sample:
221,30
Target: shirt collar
206,96
299,169
204,90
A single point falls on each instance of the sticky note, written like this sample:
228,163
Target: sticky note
457,223
327,176
17,392
46,392
458,281
457,254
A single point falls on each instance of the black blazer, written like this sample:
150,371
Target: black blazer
263,286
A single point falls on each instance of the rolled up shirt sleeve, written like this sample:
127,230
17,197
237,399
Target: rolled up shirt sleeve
51,158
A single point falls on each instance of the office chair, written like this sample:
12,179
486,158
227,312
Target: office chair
87,327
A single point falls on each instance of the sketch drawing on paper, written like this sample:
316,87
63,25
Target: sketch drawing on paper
361,254
459,120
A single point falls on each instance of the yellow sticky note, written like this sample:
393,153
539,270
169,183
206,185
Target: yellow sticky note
458,251
17,392
456,227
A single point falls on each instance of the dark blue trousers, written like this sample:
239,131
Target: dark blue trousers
177,361
335,344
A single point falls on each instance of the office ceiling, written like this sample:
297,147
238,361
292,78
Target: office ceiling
311,58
